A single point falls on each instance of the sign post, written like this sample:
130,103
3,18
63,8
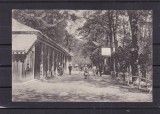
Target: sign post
106,51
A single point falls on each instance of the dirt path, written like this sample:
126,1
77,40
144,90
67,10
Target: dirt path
74,88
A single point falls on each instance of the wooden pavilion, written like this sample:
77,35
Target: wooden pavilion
34,55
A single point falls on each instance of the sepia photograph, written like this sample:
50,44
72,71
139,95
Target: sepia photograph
82,55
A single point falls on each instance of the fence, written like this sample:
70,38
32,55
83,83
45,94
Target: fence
140,82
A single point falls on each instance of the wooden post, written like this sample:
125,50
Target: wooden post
52,68
139,77
64,63
33,66
57,62
41,64
61,58
20,69
128,73
67,62
23,69
14,70
48,72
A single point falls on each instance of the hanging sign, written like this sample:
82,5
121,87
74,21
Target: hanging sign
106,51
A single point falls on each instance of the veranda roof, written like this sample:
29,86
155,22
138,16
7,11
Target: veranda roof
21,43
23,37
17,26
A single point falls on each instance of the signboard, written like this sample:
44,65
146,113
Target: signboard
106,51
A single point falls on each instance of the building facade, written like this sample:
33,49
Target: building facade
34,55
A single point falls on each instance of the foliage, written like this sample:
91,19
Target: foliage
111,28
51,22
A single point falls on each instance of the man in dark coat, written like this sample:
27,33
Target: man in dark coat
70,69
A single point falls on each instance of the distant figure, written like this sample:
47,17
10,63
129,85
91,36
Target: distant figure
70,69
86,73
100,70
97,71
60,70
81,68
94,70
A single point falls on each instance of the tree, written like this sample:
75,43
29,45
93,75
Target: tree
51,22
112,17
101,27
136,18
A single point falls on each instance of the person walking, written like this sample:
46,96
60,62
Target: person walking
85,72
70,69
100,70
97,71
94,70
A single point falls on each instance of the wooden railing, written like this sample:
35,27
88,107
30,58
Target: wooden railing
140,82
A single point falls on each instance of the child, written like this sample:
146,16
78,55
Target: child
85,71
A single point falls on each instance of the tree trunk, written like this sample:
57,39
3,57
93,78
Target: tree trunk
115,40
110,18
115,60
133,18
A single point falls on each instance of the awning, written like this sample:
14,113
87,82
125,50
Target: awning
23,38
21,43
17,26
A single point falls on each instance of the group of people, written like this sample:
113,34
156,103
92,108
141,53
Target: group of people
60,70
85,69
95,70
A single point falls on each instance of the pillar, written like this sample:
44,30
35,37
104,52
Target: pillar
48,65
41,64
